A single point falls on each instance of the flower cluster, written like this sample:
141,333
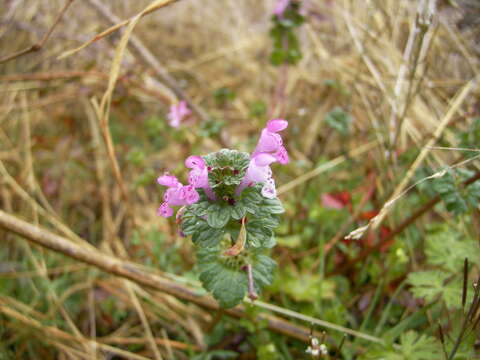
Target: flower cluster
269,149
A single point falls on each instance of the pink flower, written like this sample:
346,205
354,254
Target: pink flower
259,171
280,7
176,194
198,176
270,142
177,113
269,150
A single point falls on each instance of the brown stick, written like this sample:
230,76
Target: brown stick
38,46
406,223
135,273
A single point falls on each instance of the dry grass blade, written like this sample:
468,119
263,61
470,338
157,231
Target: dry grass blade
399,190
151,8
54,334
136,274
39,45
325,167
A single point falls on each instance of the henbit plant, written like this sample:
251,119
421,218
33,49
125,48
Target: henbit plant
286,46
230,209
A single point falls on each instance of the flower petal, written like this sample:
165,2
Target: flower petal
168,180
164,210
195,161
276,125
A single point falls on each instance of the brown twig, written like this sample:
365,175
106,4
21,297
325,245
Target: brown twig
135,273
39,45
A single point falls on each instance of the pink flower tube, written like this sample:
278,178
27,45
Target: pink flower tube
176,195
269,149
198,176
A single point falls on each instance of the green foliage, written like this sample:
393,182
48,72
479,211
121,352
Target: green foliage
457,198
412,347
304,286
136,156
446,250
432,285
339,120
211,128
470,139
226,278
223,95
337,86
227,169
286,47
257,109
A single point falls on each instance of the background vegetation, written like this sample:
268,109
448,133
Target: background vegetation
384,125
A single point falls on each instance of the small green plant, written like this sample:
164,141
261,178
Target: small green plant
339,120
286,47
230,209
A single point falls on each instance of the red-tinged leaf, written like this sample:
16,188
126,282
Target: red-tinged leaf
368,215
336,200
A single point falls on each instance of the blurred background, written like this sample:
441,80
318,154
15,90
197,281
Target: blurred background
376,85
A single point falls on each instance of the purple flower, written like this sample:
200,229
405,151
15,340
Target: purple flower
198,176
269,149
176,194
177,113
271,143
280,7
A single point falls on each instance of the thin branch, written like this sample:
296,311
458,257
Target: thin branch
142,276
39,45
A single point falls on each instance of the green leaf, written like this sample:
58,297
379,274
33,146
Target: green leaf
433,284
238,210
259,236
189,223
228,284
339,120
205,236
218,215
448,249
456,197
251,198
200,208
412,347
272,206
262,269
277,57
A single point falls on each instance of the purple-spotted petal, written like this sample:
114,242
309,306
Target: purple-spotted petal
282,155
258,173
268,142
189,194
268,189
165,210
194,161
